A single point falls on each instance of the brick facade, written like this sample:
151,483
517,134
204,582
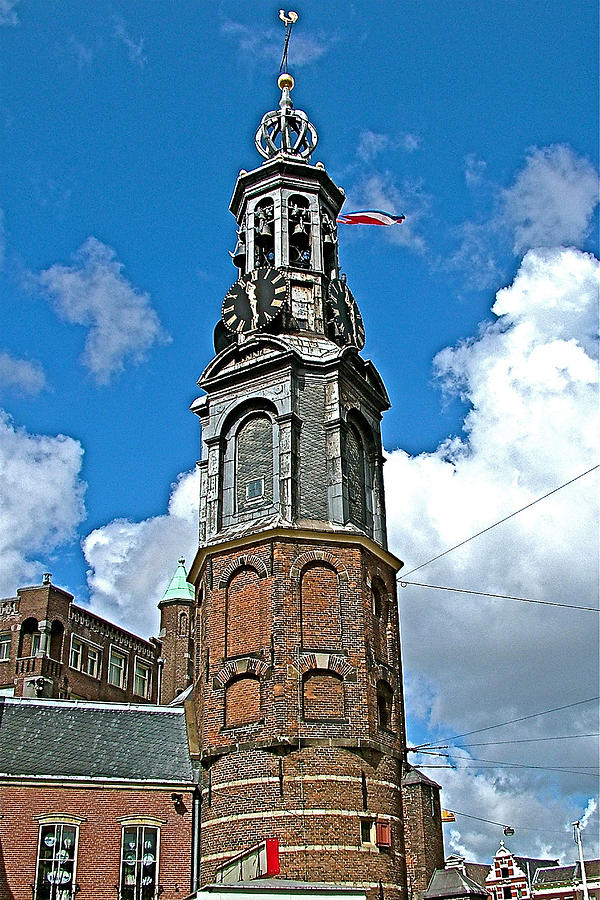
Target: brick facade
100,811
422,830
39,626
291,741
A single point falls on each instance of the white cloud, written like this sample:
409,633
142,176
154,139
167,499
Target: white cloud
8,15
370,144
552,199
266,44
530,379
550,203
22,375
93,292
135,49
131,563
41,503
589,811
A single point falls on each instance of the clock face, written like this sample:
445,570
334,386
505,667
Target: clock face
345,314
254,301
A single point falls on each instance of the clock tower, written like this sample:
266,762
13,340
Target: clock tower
297,671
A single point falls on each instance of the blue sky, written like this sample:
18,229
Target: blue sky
123,128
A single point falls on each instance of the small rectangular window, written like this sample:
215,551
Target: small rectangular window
35,643
367,831
141,679
117,668
255,489
92,663
5,638
139,862
76,657
56,862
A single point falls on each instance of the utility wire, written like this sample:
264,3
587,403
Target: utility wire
439,587
544,712
512,766
558,737
505,765
502,825
499,522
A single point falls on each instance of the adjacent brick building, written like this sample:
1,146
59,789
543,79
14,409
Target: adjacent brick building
52,648
97,800
566,883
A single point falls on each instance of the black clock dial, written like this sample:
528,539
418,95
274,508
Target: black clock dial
221,338
345,314
254,301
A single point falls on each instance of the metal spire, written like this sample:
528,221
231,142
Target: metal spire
286,131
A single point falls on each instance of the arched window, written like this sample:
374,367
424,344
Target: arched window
385,697
322,695
254,463
299,231
242,701
356,474
183,624
29,638
246,616
320,608
56,640
264,234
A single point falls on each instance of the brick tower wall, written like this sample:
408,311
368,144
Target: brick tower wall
176,628
302,727
423,835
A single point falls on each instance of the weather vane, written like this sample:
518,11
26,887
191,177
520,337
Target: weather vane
289,20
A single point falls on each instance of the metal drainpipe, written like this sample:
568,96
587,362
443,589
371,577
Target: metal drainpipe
196,804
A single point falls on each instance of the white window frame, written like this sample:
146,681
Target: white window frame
36,642
115,651
95,648
142,663
136,823
5,644
57,891
72,650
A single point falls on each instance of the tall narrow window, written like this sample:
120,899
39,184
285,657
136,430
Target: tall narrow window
355,455
92,663
76,656
254,463
117,668
139,862
5,645
36,639
141,679
56,862
385,698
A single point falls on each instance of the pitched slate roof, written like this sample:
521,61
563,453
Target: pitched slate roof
453,883
529,865
415,776
63,739
558,875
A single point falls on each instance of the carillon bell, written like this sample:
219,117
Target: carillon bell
328,238
239,255
263,232
300,233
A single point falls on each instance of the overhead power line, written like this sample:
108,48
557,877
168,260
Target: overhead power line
502,764
558,737
502,825
439,587
544,712
499,522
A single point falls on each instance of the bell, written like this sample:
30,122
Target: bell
239,255
263,231
299,234
328,238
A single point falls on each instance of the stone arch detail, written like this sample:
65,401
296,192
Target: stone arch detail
245,666
379,672
244,561
312,556
329,662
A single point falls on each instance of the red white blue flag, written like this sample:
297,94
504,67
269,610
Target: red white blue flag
369,217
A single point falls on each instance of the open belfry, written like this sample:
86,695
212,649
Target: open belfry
297,671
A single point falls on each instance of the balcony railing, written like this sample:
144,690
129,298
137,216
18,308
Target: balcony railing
38,665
